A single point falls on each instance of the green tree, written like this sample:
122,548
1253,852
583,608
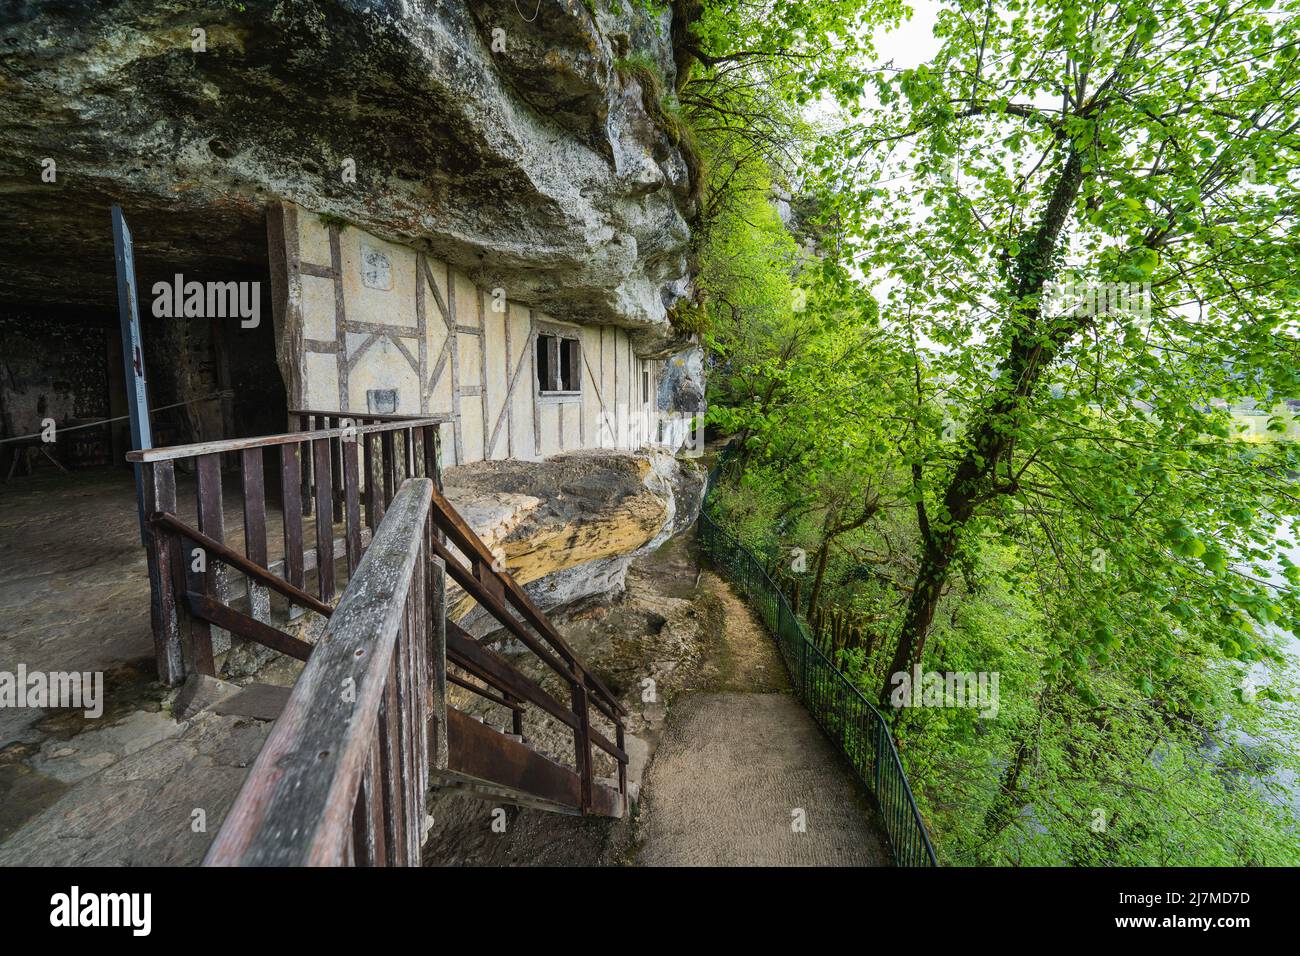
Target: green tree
1096,146
1078,222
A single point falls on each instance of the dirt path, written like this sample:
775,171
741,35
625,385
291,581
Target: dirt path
732,755
742,775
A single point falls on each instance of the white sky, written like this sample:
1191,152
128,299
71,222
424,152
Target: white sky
913,42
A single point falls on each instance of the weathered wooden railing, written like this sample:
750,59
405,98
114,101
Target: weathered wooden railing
501,759
343,777
364,460
400,442
346,474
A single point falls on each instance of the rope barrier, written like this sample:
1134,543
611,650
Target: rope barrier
109,421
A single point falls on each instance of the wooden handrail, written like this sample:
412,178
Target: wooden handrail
483,692
163,519
195,449
303,796
464,537
369,416
480,593
465,652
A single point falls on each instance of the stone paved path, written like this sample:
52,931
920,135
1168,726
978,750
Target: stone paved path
74,596
140,810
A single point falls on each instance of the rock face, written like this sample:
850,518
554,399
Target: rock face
568,527
681,387
516,149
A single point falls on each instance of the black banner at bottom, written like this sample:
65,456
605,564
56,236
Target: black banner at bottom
517,906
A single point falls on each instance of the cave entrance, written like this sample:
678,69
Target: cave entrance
204,299
71,582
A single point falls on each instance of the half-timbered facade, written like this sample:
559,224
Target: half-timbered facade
366,325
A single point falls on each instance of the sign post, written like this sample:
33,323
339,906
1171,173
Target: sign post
137,392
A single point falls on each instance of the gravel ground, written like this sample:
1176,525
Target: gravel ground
742,775
749,780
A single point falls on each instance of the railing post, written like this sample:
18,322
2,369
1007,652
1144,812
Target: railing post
432,455
160,495
880,750
253,489
841,688
803,662
351,495
336,473
211,581
780,621
621,743
438,661
388,466
323,478
582,743
291,514
304,423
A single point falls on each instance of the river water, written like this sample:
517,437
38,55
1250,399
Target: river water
1286,734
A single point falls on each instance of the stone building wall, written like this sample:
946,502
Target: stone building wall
48,369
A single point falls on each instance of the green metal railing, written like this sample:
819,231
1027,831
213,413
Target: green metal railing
846,716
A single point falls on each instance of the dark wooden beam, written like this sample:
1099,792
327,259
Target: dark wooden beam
237,560
482,692
236,622
494,670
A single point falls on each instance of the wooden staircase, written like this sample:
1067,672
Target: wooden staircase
502,763
368,728
504,766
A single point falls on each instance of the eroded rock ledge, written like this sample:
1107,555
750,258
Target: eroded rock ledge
568,528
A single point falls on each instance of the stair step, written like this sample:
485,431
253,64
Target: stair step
259,701
484,755
486,790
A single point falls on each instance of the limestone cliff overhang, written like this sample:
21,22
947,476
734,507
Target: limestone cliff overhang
516,150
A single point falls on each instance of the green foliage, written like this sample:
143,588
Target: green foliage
1110,550
648,7
746,265
806,48
689,318
645,70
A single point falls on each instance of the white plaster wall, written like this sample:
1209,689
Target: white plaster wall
357,313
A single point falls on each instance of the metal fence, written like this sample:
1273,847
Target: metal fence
846,716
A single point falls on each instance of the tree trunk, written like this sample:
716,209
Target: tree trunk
822,554
1007,802
921,605
1030,351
